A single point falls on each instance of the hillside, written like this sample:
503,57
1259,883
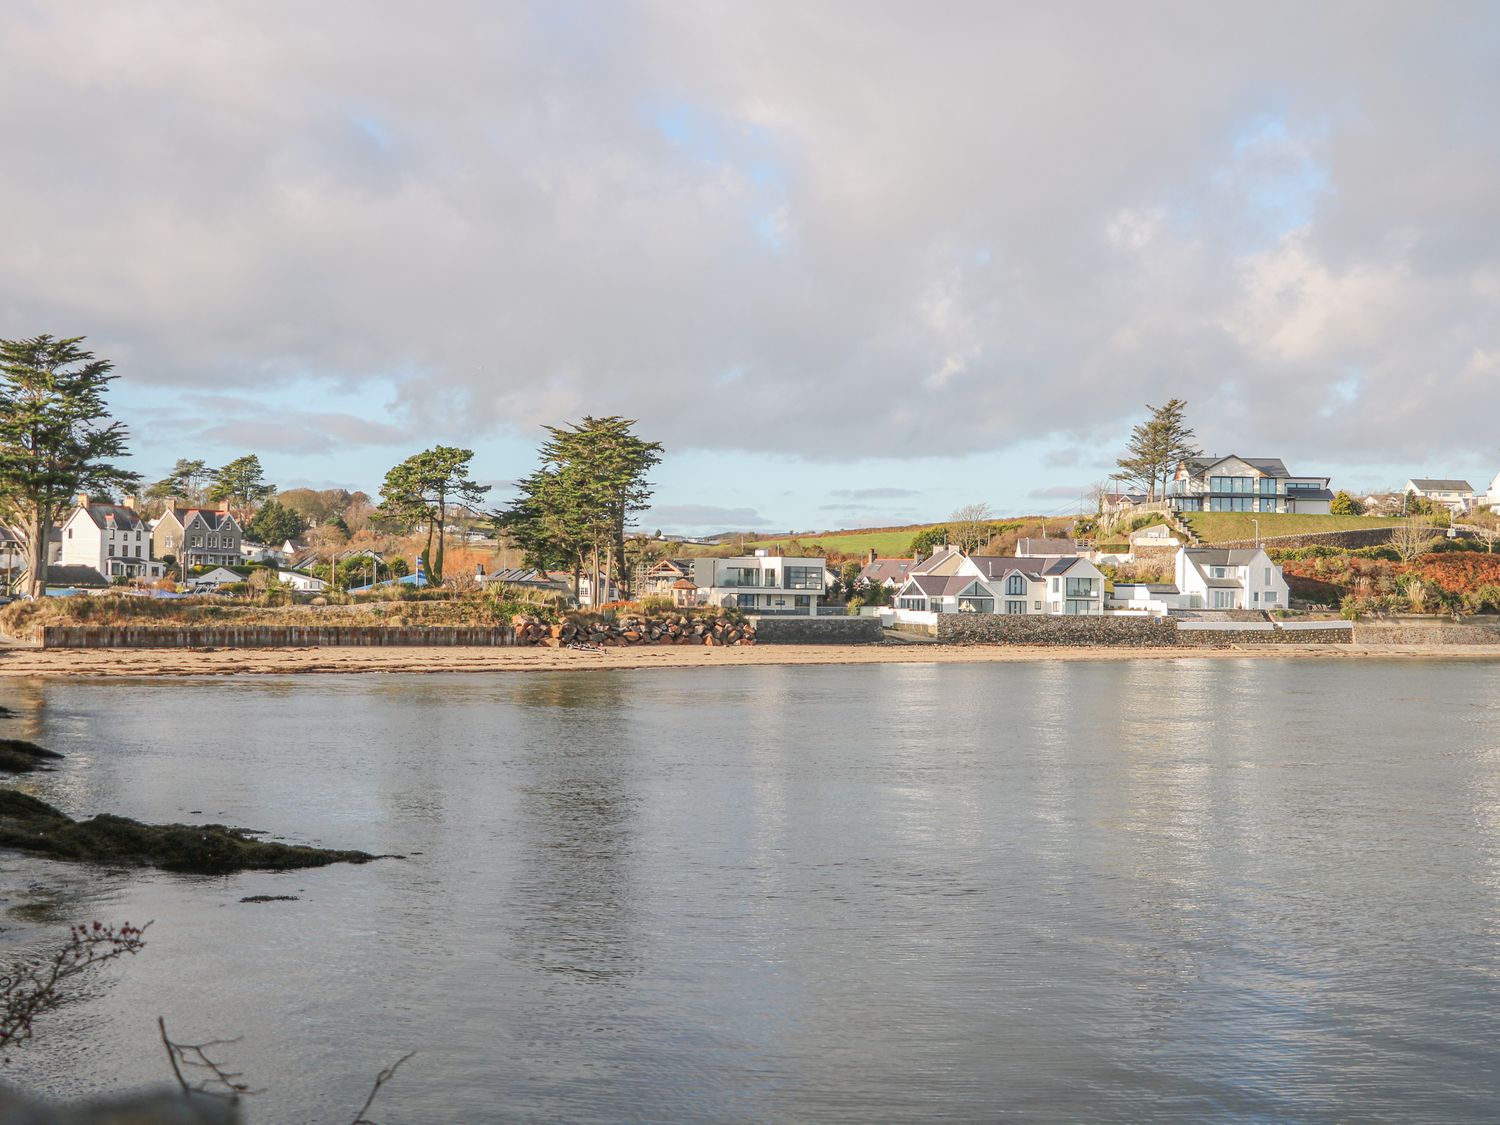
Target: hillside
1221,527
888,542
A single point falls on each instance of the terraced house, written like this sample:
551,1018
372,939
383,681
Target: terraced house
1245,484
208,536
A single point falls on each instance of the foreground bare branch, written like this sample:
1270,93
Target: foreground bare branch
36,986
380,1080
193,1057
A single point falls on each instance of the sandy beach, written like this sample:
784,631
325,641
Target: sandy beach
19,662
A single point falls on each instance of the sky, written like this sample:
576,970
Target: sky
852,263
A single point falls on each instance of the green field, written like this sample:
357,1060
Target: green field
1219,527
888,543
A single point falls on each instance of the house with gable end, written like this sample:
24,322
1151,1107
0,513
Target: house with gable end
208,536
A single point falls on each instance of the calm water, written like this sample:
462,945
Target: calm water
1139,891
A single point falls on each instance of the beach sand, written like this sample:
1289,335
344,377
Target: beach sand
19,662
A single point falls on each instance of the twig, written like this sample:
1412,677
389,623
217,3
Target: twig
380,1080
34,987
195,1055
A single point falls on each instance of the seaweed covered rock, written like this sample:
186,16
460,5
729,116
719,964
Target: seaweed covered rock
19,756
27,824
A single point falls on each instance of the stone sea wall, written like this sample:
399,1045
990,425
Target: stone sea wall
818,630
1038,629
1360,537
1432,631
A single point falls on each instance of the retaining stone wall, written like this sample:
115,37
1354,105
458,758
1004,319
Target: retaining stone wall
817,630
273,636
1361,537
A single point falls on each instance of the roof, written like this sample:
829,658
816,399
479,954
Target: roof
79,576
1218,556
1149,587
942,585
1038,548
1310,494
1426,485
684,584
115,515
214,518
933,560
887,570
1270,466
998,566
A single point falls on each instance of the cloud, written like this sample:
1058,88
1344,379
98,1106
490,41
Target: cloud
235,422
1057,492
886,493
702,517
774,227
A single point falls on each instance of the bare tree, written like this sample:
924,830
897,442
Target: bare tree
1411,537
969,526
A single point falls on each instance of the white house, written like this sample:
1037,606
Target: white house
1142,598
111,538
1492,497
952,582
762,583
1213,578
298,580
1455,495
218,576
1245,484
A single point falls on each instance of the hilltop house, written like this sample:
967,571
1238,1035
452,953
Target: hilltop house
1245,484
204,536
1212,578
111,538
762,583
1455,495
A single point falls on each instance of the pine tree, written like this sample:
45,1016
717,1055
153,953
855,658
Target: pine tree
56,439
1157,446
421,490
242,483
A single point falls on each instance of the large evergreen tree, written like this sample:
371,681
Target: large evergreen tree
242,484
185,482
56,439
274,523
423,488
1157,445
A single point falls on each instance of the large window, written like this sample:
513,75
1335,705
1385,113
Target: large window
1231,484
804,578
1268,486
976,605
733,576
1223,599
1016,584
1080,588
1015,607
919,604
1078,608
1231,503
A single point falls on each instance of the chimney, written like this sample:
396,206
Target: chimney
223,506
870,557
129,502
83,499
479,570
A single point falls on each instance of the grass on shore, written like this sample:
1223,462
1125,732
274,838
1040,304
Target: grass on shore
1220,527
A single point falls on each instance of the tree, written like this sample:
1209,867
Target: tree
1411,538
274,523
421,490
924,541
1157,445
1344,504
56,439
185,482
242,483
578,505
970,526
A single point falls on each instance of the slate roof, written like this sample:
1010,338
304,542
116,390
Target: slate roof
214,518
881,570
82,577
115,515
1271,466
1426,485
1218,556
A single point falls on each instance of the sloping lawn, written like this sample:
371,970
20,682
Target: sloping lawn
887,543
1219,527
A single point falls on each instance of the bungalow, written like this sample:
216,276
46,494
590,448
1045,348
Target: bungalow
1245,484
67,579
219,576
1455,495
762,583
300,581
1213,578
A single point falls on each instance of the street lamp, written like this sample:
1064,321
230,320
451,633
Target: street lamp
1257,533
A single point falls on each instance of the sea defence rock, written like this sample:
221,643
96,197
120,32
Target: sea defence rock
30,825
274,636
1099,631
673,629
